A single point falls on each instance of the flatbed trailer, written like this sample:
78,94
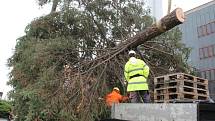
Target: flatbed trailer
163,112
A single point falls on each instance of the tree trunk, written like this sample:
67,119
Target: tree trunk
54,5
171,20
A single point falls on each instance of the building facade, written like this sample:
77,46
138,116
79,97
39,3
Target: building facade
198,32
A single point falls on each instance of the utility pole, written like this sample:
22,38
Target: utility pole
169,6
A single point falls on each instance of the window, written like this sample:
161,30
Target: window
200,53
210,51
204,30
209,28
203,74
205,52
213,27
213,74
213,50
199,31
209,74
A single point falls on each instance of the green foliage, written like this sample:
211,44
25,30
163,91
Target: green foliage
170,53
5,108
36,71
71,36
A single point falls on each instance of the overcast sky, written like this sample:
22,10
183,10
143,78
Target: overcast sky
17,14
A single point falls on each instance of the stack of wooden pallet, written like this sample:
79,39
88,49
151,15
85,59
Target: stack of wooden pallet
180,87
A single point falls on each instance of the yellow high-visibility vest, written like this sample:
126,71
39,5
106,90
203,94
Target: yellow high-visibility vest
136,73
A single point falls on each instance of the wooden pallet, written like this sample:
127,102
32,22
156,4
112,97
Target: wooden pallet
179,100
181,89
176,89
179,76
179,97
182,95
170,83
180,86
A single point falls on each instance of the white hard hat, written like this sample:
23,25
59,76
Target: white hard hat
131,52
116,88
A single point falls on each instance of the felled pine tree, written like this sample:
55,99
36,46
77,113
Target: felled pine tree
71,57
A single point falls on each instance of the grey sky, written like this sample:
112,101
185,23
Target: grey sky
17,14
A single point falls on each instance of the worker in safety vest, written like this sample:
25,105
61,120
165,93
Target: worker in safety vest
136,73
114,97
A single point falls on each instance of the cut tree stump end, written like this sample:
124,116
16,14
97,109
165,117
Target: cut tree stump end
180,15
